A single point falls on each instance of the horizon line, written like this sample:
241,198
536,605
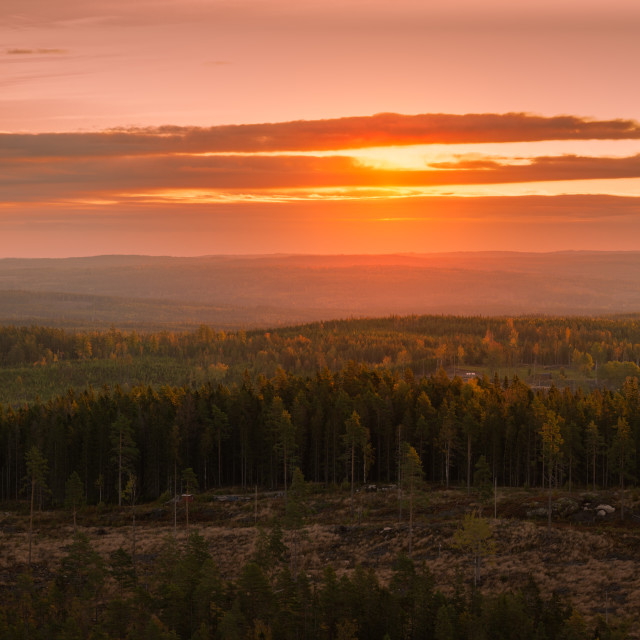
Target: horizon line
326,255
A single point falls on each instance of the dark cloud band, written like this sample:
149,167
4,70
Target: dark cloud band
320,135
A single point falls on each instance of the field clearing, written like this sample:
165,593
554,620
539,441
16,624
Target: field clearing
595,565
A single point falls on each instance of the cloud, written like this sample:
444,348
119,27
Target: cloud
468,164
546,168
41,52
40,179
24,78
320,135
331,15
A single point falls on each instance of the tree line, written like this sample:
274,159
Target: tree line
350,426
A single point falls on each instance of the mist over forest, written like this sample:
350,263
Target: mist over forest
259,291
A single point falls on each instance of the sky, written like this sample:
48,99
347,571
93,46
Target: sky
198,127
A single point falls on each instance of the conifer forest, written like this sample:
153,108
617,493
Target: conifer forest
355,424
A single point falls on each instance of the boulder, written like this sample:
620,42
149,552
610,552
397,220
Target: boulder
607,508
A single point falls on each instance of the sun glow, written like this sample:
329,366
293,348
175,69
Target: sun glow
423,157
427,157
204,196
623,187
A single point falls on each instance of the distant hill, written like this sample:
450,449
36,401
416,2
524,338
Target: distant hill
249,291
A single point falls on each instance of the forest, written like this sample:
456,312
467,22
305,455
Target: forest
44,362
252,433
465,403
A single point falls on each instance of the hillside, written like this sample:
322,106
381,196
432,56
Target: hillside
246,291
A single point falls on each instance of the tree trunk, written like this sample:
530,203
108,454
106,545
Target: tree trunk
622,487
285,474
570,470
120,471
353,468
33,491
133,537
447,459
468,463
410,518
175,500
549,507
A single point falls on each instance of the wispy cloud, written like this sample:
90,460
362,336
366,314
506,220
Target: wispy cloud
39,52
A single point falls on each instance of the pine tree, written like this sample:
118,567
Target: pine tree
284,432
474,538
482,478
356,436
189,484
552,442
621,451
74,495
131,495
124,451
37,469
412,475
296,510
593,444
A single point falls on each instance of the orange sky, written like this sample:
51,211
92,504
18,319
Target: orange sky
189,127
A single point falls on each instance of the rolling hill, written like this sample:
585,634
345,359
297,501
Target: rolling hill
249,291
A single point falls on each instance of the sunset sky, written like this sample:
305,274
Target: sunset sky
192,127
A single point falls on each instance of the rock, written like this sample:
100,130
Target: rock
601,512
605,507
